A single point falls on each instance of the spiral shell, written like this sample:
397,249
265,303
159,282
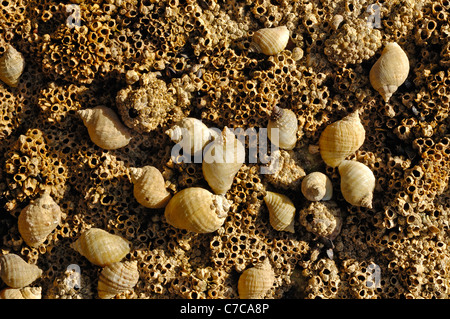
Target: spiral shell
149,187
116,278
281,211
341,139
255,282
357,183
270,41
21,293
100,247
287,124
390,70
12,65
223,158
37,220
16,272
197,210
317,186
104,127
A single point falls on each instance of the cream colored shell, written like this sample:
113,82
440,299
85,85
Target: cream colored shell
21,293
116,278
390,70
37,220
357,183
285,123
149,187
105,128
317,186
281,211
16,272
341,139
255,282
197,210
12,65
100,247
270,41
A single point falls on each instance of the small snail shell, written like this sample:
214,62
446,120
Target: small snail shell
116,278
317,186
287,124
341,139
21,293
269,41
100,247
12,65
223,158
357,183
390,70
149,187
16,272
256,281
104,127
281,211
323,219
37,220
198,210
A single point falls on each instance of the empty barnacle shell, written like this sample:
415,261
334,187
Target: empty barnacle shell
285,122
198,210
116,278
357,183
281,211
104,127
317,186
12,65
255,282
390,70
270,41
37,220
341,139
149,187
222,159
21,293
100,247
16,272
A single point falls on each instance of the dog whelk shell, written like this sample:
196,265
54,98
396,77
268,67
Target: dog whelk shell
287,124
21,293
270,41
281,211
37,220
104,127
149,187
16,272
390,70
116,278
198,210
12,65
357,183
341,139
256,281
100,247
317,186
222,159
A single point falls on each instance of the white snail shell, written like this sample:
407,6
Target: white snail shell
255,282
285,121
317,186
149,187
357,183
12,65
270,41
281,211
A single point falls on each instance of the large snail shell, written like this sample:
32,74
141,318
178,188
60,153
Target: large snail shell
270,41
287,124
21,293
149,187
281,211
104,127
116,278
390,70
357,183
256,281
100,247
317,186
37,220
16,272
222,160
12,65
341,139
198,210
